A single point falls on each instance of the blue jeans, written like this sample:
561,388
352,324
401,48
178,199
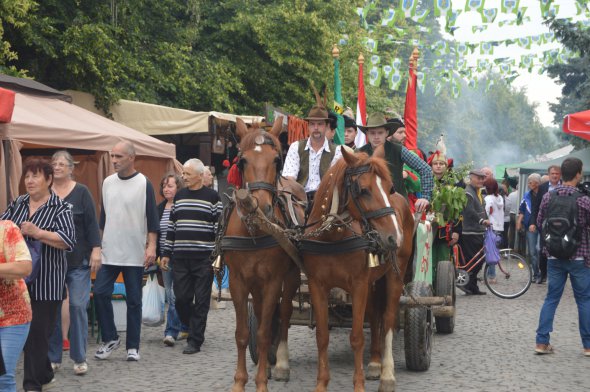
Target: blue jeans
12,340
557,272
173,324
103,291
78,283
532,242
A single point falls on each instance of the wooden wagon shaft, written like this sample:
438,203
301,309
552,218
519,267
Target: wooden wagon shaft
426,301
248,206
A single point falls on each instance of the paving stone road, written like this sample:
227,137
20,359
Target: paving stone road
490,350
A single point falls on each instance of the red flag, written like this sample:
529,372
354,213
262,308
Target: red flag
578,124
410,115
361,106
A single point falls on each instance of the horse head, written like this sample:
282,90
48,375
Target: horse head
364,186
260,162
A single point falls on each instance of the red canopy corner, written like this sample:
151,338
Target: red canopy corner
578,124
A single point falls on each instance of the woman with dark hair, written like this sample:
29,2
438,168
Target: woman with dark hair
174,330
43,216
84,258
15,308
494,203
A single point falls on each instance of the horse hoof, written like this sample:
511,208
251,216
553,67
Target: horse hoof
281,374
387,386
373,371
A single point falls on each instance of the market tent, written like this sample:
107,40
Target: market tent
158,120
42,123
541,167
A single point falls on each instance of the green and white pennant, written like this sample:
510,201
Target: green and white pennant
442,7
489,15
474,5
408,7
388,17
510,6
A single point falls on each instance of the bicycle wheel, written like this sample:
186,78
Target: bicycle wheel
513,275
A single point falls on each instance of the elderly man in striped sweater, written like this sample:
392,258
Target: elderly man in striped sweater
190,239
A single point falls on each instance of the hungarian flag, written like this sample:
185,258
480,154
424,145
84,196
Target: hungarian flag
410,115
338,106
361,107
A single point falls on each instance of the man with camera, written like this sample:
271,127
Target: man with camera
564,216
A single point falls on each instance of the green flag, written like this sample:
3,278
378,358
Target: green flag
442,7
489,15
510,6
338,106
408,7
545,5
474,5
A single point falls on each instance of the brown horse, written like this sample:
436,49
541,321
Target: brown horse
259,267
367,219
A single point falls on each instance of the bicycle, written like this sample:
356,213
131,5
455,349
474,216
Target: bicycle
514,274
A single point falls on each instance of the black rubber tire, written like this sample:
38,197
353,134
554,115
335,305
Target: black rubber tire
522,276
418,329
445,285
253,327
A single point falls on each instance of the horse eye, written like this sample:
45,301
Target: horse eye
365,192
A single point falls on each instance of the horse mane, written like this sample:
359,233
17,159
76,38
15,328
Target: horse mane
334,178
248,142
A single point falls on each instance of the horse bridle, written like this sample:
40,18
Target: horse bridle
262,139
352,185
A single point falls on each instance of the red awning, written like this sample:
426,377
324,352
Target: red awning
578,124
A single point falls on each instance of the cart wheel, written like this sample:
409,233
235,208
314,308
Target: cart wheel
445,285
253,328
418,329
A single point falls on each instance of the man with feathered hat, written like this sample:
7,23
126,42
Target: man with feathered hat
309,159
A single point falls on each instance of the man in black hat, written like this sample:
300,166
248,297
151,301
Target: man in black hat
475,221
349,132
377,130
308,159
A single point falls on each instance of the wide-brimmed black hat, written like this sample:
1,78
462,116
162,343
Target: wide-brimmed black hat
349,122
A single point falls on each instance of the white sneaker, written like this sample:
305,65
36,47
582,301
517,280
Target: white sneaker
169,341
182,336
80,368
55,366
132,354
105,350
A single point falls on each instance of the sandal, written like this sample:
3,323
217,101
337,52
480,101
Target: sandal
544,349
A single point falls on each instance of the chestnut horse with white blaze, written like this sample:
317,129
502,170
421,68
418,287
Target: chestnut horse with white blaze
371,220
258,266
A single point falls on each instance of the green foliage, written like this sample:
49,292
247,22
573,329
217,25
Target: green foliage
13,15
574,76
448,199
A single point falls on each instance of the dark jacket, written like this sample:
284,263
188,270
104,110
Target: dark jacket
474,213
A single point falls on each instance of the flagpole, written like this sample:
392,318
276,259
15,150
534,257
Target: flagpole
361,104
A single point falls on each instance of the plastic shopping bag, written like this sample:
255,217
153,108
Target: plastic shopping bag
152,309
492,252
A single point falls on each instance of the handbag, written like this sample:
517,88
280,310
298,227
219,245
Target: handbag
35,251
489,242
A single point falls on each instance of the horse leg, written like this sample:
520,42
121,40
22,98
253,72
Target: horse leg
267,304
394,290
239,294
319,300
292,281
358,293
375,300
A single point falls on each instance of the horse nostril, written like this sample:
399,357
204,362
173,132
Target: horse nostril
392,242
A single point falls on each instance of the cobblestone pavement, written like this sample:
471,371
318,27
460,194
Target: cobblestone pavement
490,350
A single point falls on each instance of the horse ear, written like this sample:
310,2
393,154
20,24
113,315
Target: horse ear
277,127
379,152
241,128
349,156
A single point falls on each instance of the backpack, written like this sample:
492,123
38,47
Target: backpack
561,231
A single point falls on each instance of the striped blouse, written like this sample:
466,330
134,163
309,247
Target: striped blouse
54,216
